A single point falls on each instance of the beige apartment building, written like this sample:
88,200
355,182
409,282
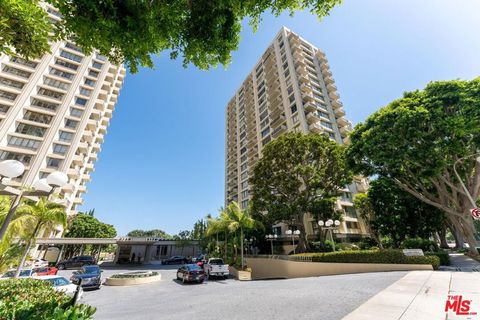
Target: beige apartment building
54,113
291,88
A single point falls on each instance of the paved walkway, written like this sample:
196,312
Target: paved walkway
422,295
461,262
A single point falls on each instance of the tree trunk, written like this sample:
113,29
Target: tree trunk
241,247
27,249
469,233
442,235
303,245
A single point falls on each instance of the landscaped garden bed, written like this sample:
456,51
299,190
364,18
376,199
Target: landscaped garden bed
133,278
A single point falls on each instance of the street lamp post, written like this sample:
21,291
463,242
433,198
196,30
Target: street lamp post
293,234
247,243
330,225
271,238
44,187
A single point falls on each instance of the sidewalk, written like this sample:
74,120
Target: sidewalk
423,295
461,262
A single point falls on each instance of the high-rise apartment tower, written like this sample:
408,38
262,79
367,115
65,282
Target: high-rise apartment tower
54,113
290,89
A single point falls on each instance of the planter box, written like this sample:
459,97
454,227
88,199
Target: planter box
240,275
131,281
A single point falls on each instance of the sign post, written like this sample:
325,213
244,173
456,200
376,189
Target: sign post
475,212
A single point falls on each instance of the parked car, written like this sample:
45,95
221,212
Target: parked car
76,262
45,271
198,258
61,284
89,275
25,273
175,260
190,272
215,267
37,263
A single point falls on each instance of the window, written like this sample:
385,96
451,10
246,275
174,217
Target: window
53,163
59,149
244,193
295,118
326,124
44,104
85,92
50,93
293,108
4,108
244,204
24,62
265,132
62,74
23,143
65,136
90,82
243,167
70,56
11,83
55,13
81,101
56,84
17,72
93,73
24,158
101,58
8,95
97,65
323,114
290,90
352,225
73,47
350,212
76,112
244,184
71,124
38,117
66,64
31,130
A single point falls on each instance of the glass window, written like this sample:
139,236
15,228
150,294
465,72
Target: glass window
16,72
65,136
11,83
76,112
93,73
97,65
85,92
350,212
90,82
293,108
62,74
24,62
73,47
38,117
53,163
265,132
30,130
8,95
71,124
50,93
70,56
24,158
44,104
81,101
4,108
23,143
66,64
56,83
59,149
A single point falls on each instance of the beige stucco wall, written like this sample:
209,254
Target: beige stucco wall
271,268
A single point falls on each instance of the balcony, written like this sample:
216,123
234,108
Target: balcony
83,147
93,156
342,121
328,80
339,112
82,188
308,98
72,173
278,120
316,128
331,87
309,107
88,135
86,177
78,201
278,131
96,147
303,79
306,88
89,166
78,159
312,117
326,73
68,188
333,95
336,104
345,130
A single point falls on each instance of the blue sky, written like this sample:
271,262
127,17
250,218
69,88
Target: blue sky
162,163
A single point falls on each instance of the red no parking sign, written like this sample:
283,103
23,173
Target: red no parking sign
475,213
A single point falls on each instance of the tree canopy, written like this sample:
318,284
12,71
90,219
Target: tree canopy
416,140
83,225
298,174
202,32
156,233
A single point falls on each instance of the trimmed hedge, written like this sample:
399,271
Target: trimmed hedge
442,255
388,256
36,299
130,275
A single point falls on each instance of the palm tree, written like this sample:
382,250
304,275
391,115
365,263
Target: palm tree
43,214
238,219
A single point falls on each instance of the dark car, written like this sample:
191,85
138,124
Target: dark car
190,273
76,262
175,260
89,275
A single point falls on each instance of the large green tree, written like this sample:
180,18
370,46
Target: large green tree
156,233
84,225
399,215
202,32
418,139
296,175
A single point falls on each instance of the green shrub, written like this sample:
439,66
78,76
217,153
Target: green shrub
135,274
36,299
346,247
374,256
419,243
442,255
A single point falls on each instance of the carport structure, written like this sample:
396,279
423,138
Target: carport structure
64,242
